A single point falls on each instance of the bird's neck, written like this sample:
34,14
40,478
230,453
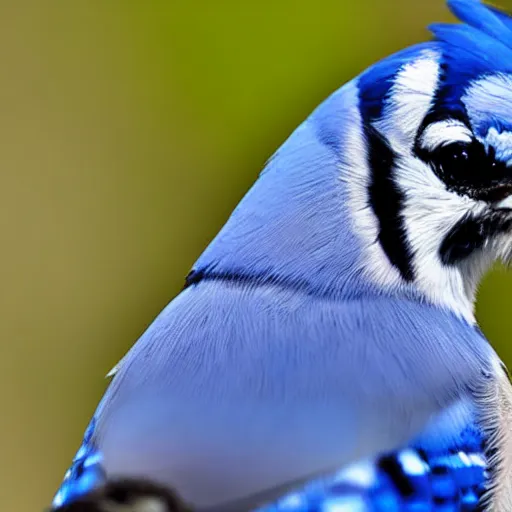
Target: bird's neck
495,404
294,225
307,222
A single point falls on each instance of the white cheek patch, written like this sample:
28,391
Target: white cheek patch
410,100
445,132
430,211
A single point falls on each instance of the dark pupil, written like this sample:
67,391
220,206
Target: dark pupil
454,161
470,170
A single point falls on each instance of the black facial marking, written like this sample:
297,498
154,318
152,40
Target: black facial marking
386,200
470,234
392,467
124,493
467,168
466,237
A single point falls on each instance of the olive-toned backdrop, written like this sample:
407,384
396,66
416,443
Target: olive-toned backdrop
128,132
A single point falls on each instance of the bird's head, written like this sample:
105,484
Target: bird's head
437,125
401,181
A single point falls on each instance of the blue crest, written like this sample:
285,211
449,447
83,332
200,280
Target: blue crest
481,19
481,45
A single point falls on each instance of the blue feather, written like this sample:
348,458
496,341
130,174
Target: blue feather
412,480
375,83
405,481
277,322
505,17
481,51
281,359
481,17
85,474
479,46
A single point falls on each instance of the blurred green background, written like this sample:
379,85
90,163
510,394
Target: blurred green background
128,132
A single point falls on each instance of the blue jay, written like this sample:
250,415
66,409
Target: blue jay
325,341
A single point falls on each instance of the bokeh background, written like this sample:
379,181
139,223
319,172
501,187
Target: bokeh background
128,132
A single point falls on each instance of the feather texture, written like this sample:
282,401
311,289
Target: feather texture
308,370
406,480
323,327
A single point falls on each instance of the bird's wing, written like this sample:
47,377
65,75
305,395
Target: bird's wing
406,479
237,388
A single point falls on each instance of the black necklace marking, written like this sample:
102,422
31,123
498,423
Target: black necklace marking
470,234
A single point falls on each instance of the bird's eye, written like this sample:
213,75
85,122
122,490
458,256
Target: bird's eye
456,162
467,168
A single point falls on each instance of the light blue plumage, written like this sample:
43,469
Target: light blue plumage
324,354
